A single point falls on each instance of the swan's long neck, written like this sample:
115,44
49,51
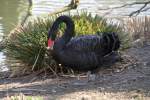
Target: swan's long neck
68,34
69,31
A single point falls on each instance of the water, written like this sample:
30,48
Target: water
12,11
93,6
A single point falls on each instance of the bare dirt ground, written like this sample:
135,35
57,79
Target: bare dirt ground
126,80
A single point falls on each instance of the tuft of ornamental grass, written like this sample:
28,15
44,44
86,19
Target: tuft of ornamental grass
85,24
27,45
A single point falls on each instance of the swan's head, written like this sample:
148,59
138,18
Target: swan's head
52,33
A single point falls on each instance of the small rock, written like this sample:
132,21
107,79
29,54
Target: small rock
53,90
80,83
92,77
138,43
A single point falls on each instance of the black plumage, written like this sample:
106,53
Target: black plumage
80,53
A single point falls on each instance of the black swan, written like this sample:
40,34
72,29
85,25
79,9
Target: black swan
80,53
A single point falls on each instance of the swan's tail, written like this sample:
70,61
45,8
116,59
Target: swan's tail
112,42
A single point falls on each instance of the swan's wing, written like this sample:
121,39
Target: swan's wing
82,53
79,60
89,43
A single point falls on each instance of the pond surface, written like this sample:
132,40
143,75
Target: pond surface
12,11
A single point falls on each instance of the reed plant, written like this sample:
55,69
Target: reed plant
138,28
27,45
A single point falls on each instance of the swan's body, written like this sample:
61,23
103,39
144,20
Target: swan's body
84,52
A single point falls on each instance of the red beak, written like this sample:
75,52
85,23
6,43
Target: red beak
50,43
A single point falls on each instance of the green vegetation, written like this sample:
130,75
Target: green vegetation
23,97
27,44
